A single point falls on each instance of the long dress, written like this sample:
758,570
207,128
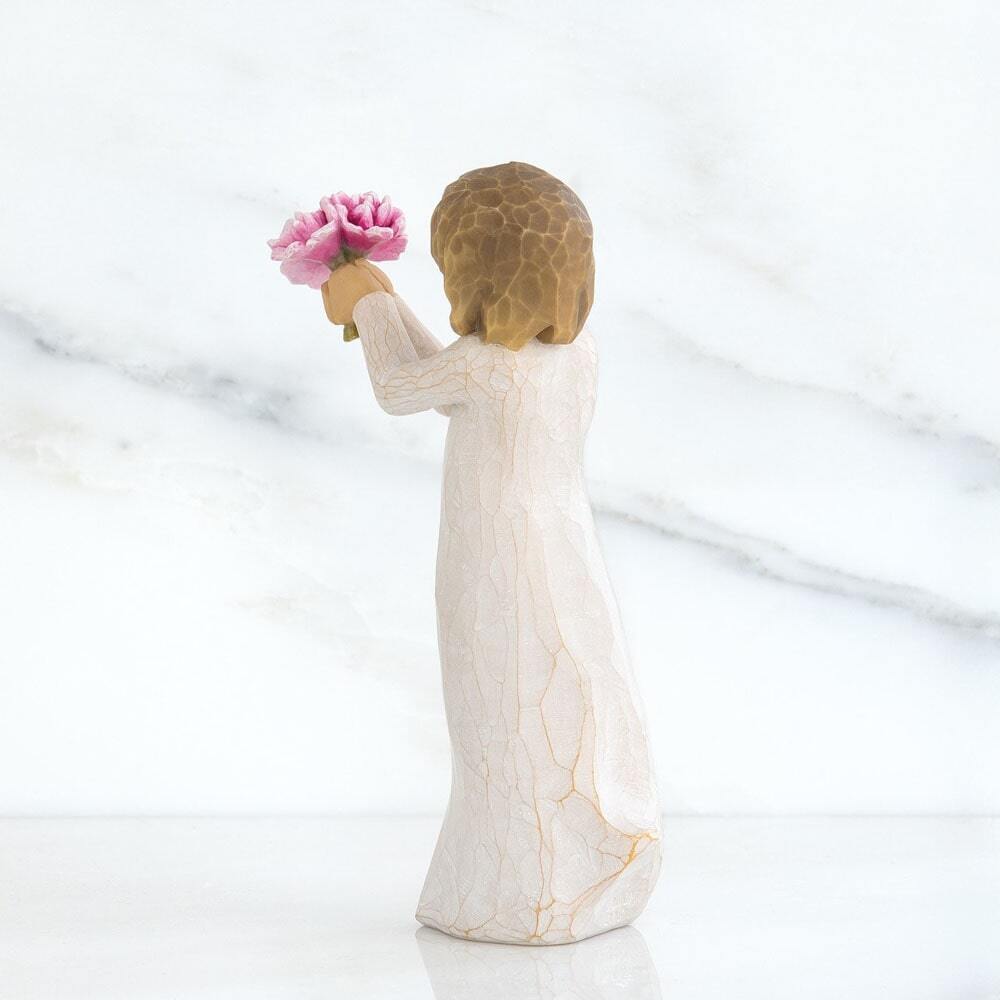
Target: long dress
552,829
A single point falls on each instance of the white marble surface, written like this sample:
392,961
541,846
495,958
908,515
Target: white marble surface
217,552
276,909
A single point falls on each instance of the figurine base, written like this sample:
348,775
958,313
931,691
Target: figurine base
614,903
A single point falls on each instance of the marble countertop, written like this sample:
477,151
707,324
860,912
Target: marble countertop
283,909
218,553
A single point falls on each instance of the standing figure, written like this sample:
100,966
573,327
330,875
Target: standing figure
552,830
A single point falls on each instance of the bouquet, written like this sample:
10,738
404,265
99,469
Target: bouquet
345,228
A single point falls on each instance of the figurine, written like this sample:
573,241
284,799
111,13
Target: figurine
552,832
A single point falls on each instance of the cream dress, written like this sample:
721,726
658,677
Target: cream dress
552,831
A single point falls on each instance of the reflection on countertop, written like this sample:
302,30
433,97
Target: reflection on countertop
612,966
321,909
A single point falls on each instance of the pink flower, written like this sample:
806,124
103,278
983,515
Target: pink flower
369,226
311,244
308,242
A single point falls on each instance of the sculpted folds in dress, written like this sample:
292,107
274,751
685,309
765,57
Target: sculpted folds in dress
552,829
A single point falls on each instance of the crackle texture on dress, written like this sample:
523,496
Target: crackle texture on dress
552,829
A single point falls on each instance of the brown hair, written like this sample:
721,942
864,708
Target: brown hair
515,246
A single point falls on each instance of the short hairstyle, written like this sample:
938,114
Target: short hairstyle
515,246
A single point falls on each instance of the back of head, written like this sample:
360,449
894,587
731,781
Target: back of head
515,246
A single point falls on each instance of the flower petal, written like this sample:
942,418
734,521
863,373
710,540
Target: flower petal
305,272
310,242
383,214
389,249
324,244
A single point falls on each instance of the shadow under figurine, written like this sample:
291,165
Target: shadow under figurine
552,830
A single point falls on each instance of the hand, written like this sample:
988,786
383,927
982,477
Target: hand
349,283
378,274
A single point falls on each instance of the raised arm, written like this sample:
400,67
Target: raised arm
403,380
424,342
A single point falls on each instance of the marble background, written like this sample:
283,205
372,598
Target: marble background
217,552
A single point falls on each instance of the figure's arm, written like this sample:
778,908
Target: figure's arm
424,342
403,381
348,284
